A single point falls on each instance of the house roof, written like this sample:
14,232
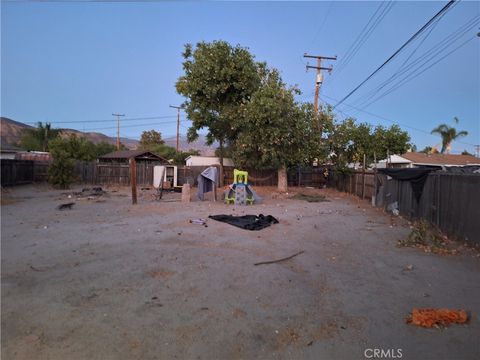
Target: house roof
396,159
137,154
441,159
6,147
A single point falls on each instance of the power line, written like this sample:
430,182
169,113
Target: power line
106,120
415,75
429,55
134,125
365,34
403,67
323,23
422,29
392,121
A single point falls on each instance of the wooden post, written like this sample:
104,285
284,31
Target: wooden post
374,196
363,178
133,179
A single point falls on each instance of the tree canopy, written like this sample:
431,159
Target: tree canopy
38,139
350,141
219,80
275,131
150,138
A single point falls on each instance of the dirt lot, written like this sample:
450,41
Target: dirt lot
109,280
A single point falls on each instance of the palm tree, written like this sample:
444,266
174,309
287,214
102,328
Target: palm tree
39,137
448,134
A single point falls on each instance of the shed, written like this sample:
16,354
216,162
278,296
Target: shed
140,156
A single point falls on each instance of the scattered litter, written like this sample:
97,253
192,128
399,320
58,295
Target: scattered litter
89,194
279,260
247,222
393,208
310,343
437,317
65,206
198,222
45,227
429,239
408,268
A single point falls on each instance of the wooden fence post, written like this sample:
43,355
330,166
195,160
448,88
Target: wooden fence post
133,179
363,178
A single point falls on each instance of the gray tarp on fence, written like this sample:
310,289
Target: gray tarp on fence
450,201
207,180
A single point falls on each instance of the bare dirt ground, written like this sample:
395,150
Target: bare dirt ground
110,280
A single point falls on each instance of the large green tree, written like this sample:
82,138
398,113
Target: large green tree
392,140
275,131
218,81
448,134
38,139
350,142
150,138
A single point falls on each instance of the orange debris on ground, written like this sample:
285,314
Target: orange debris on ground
435,317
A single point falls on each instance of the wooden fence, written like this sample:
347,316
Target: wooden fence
23,171
358,182
113,173
16,172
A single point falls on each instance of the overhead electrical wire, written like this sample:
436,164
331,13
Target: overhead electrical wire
382,118
320,28
106,120
403,66
420,71
412,38
413,72
392,121
134,125
365,34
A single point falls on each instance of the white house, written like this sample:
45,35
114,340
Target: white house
413,159
193,160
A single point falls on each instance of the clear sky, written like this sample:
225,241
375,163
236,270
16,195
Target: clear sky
75,63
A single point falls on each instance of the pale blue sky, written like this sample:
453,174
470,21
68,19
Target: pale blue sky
78,62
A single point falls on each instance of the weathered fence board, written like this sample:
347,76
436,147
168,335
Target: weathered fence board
16,172
449,201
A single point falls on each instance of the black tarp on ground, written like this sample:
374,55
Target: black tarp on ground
247,222
416,177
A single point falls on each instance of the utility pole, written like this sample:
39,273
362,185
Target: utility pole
118,129
319,78
178,123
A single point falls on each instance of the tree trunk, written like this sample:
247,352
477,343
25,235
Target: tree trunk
282,179
221,182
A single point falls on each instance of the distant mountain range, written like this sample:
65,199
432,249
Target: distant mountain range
11,132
